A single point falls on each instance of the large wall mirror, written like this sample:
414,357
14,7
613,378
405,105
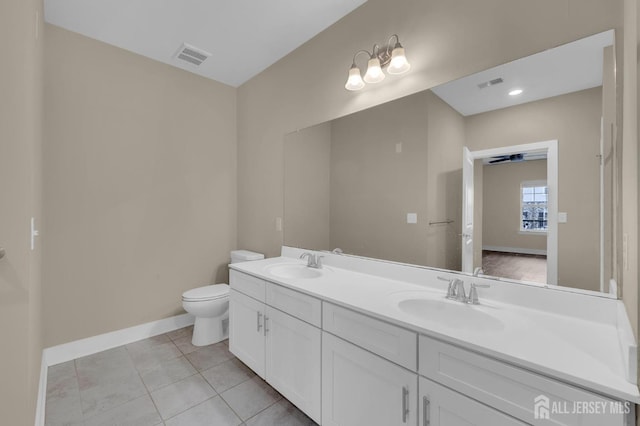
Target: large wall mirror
387,182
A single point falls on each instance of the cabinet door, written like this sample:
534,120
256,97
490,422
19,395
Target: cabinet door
246,330
359,388
440,406
293,354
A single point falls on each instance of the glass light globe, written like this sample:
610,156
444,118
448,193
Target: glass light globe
399,63
374,72
354,81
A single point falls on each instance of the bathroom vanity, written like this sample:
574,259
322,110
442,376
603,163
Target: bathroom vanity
366,342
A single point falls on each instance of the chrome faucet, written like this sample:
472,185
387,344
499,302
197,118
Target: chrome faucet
313,260
456,291
478,270
461,295
452,290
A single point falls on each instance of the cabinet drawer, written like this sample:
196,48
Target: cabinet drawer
247,284
294,303
510,389
389,341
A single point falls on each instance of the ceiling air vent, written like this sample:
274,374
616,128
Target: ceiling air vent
490,83
191,54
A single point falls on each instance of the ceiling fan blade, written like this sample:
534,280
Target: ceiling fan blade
500,160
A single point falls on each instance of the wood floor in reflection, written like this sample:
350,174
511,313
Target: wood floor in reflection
524,267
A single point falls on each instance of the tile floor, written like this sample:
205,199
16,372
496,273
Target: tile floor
164,380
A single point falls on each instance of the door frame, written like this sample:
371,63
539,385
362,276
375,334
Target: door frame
551,148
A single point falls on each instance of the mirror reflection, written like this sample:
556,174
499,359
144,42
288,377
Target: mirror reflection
387,182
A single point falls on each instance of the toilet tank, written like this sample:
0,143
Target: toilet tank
245,255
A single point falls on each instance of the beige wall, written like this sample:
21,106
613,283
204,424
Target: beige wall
373,187
307,157
446,137
501,204
20,195
140,186
573,120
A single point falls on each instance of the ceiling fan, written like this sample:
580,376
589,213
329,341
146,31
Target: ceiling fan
511,157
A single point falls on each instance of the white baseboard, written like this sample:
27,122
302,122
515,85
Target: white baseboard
42,392
91,345
515,250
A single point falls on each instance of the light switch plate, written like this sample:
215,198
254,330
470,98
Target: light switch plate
562,217
412,217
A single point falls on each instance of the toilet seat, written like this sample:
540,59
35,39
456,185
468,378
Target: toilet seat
208,292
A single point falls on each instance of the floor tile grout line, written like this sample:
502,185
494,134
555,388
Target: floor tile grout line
148,391
225,401
238,384
261,411
84,417
217,395
197,373
75,368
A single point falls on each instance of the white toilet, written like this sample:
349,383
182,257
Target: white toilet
210,306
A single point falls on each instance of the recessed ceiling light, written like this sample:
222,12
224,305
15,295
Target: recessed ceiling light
515,92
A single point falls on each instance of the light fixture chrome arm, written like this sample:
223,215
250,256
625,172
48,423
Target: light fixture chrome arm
353,64
355,82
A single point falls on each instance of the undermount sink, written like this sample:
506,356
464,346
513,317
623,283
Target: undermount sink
449,313
293,270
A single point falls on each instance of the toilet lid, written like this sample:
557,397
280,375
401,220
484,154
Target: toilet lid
208,292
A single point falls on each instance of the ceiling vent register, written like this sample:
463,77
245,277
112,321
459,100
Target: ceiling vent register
191,54
490,83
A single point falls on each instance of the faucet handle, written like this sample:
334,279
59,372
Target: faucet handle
473,293
319,261
461,295
451,291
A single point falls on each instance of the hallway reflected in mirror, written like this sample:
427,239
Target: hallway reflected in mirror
515,266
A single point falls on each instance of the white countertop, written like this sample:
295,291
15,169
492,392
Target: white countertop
571,349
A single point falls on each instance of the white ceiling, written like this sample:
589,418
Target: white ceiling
564,69
244,36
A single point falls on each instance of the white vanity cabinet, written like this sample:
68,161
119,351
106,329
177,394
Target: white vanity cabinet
360,388
281,348
440,406
293,360
246,330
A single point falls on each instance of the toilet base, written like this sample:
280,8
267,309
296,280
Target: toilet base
207,331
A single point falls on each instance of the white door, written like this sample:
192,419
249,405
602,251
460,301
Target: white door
440,406
246,331
293,358
359,388
467,210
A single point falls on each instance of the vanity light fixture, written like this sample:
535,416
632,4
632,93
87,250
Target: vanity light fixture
515,92
393,57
